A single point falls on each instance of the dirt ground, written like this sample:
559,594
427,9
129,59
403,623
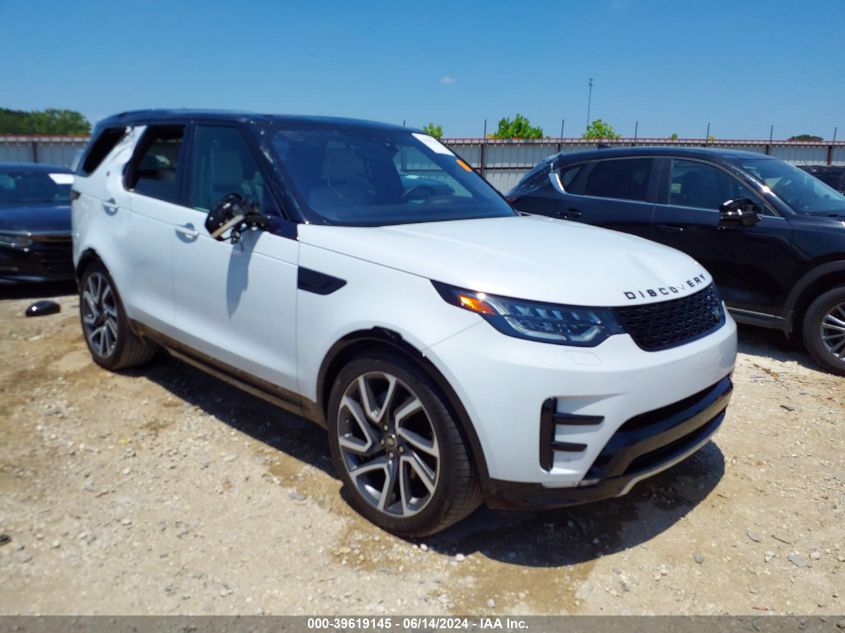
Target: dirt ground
165,491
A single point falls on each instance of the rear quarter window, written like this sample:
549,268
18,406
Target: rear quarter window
533,181
99,148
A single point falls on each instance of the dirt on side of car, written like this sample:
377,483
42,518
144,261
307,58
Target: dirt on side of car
162,490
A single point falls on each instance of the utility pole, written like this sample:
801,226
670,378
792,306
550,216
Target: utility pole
771,133
707,135
589,100
834,133
636,129
482,158
562,121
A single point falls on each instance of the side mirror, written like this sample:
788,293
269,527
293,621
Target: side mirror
739,211
234,215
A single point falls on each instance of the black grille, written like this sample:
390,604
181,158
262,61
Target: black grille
657,326
54,252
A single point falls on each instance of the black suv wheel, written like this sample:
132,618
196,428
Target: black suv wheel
824,330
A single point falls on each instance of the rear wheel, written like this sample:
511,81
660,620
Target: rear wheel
824,330
104,324
397,448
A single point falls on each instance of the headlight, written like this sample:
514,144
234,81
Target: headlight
19,241
544,322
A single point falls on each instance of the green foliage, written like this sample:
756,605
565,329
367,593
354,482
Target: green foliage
519,127
600,129
674,136
807,138
49,121
711,138
433,129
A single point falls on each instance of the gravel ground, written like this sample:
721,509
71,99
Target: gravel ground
164,491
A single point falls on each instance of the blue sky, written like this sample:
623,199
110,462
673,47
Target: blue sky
674,66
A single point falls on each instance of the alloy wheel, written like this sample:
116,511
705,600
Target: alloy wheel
833,331
99,314
388,444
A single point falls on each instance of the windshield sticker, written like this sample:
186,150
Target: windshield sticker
433,144
62,179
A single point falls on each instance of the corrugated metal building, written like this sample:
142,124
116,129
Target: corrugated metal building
52,150
502,162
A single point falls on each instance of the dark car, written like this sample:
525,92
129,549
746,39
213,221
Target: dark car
772,236
35,241
831,175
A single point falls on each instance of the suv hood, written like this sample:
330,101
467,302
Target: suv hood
526,257
35,218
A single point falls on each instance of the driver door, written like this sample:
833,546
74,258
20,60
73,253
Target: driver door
235,302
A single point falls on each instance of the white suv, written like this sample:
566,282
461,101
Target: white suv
363,276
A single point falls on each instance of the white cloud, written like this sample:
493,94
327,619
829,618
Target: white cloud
448,79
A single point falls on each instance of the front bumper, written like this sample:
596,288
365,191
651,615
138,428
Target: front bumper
48,258
619,414
654,442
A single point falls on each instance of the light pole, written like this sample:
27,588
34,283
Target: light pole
589,100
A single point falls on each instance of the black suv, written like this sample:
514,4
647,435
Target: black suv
772,236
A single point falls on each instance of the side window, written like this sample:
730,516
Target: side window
624,178
703,186
155,168
222,164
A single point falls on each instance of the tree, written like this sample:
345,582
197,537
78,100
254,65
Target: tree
49,121
674,136
600,129
807,138
433,129
520,127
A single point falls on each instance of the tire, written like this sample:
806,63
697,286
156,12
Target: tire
422,452
104,324
823,330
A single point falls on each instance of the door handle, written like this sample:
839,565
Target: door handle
110,206
187,230
570,214
670,228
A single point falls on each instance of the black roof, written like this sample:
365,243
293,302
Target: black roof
709,153
35,167
140,117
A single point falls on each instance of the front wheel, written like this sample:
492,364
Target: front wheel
105,325
824,330
397,448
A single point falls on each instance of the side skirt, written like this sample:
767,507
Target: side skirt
279,396
761,319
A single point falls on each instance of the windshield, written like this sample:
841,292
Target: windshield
21,186
803,192
367,176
